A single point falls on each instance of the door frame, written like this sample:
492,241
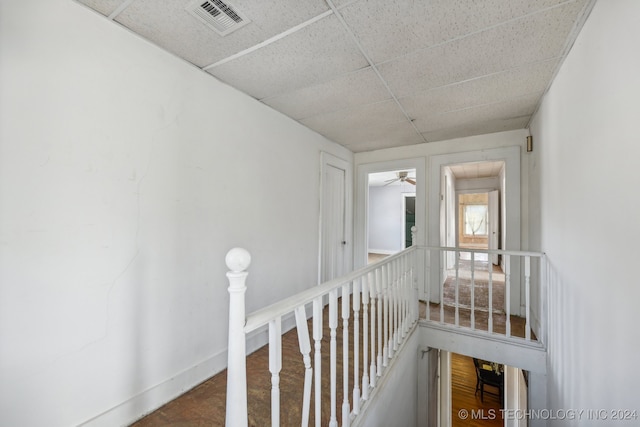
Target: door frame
511,196
330,160
361,242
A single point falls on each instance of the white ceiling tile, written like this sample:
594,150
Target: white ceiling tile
490,89
168,25
389,28
458,67
396,135
385,112
391,135
514,110
480,128
382,120
343,92
105,7
532,39
315,54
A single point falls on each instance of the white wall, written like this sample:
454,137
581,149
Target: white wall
586,190
385,219
125,176
395,402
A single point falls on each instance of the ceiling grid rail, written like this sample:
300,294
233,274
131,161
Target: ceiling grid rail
269,41
125,4
374,68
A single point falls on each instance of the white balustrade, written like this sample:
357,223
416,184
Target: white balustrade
382,292
522,282
381,299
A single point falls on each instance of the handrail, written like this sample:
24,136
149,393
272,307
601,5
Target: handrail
484,251
264,315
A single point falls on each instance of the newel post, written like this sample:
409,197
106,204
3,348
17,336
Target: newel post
414,235
238,261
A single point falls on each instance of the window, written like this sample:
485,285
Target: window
475,220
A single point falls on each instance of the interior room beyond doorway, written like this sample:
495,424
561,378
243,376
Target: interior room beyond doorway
391,212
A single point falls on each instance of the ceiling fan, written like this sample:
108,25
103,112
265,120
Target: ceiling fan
403,176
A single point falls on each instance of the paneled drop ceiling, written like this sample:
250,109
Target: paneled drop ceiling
373,74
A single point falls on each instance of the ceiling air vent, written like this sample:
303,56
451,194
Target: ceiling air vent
220,16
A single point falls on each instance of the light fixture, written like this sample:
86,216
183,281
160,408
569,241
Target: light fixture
529,144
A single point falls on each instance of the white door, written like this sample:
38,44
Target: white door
494,223
334,233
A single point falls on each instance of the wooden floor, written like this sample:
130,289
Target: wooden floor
205,404
465,402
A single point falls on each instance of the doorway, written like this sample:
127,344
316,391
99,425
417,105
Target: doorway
391,212
453,174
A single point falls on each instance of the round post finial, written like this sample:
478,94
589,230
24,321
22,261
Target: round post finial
238,260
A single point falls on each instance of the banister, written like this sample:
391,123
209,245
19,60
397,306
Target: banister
262,316
483,251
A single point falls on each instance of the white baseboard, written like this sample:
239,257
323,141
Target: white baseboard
151,399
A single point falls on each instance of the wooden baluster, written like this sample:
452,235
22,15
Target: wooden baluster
275,365
441,285
473,293
490,325
507,295
317,337
426,274
457,298
385,316
407,294
527,286
543,300
403,297
380,318
305,350
396,305
372,344
391,291
345,355
333,325
237,260
365,336
356,344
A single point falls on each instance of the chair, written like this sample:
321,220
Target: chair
490,378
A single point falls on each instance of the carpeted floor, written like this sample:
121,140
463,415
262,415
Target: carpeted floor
481,286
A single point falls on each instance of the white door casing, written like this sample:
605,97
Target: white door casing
511,207
494,223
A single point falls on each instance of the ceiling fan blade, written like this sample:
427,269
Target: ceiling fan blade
391,181
410,181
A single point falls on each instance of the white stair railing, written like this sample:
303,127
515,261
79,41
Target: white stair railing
532,303
386,296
